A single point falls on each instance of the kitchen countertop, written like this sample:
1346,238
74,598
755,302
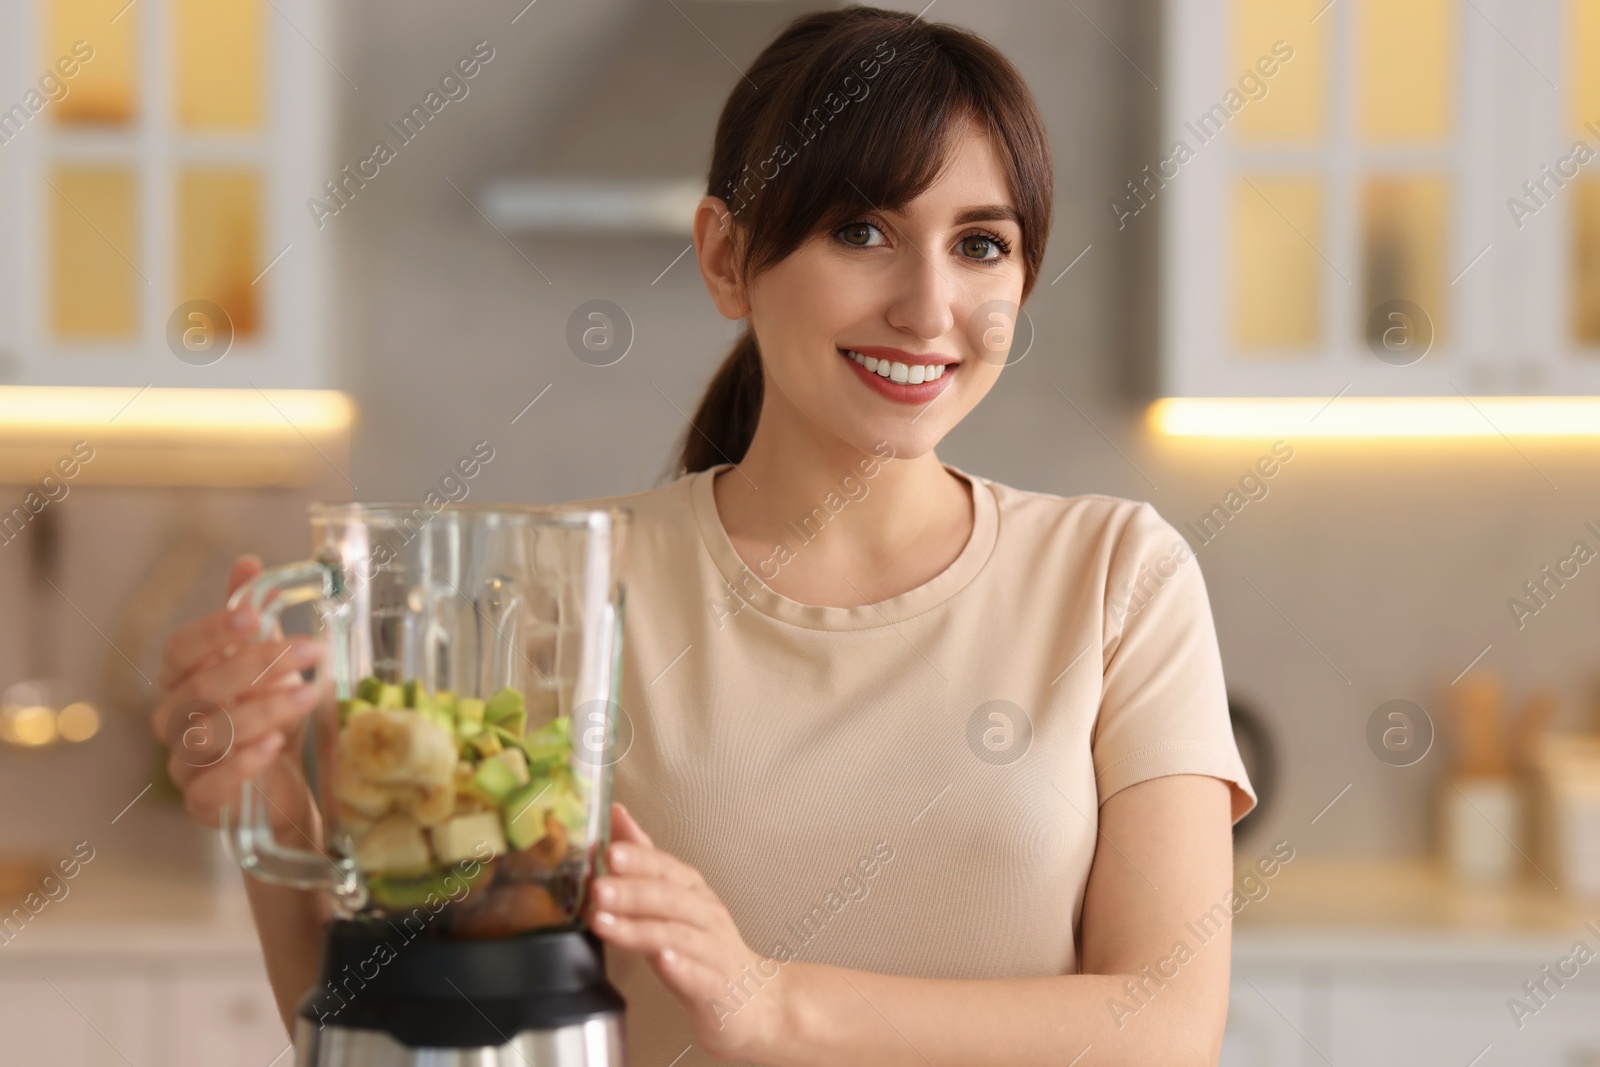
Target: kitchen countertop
1312,909
117,909
1405,910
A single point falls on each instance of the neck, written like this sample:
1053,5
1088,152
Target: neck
869,504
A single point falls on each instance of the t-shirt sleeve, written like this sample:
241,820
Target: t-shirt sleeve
1163,705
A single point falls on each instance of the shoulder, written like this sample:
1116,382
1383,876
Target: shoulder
1098,524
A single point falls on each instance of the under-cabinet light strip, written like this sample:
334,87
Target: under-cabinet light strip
1345,416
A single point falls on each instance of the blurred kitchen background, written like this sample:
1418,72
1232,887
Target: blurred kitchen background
1379,245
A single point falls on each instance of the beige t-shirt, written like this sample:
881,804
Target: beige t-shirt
908,787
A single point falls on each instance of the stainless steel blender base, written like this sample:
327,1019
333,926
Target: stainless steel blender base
595,1042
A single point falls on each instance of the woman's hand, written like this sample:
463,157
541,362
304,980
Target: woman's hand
657,906
229,702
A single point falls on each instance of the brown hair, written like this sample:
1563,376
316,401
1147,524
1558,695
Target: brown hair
848,110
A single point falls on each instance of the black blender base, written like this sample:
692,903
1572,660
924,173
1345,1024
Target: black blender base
388,1000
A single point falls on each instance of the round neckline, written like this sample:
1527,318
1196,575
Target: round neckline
935,591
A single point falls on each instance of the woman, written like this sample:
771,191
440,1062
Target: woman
880,805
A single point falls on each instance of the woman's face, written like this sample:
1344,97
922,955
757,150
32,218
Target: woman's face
941,281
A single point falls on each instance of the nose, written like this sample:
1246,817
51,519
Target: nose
923,296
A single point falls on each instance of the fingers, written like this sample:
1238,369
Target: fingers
207,637
228,681
647,861
203,640
244,568
651,898
652,935
209,789
622,819
201,734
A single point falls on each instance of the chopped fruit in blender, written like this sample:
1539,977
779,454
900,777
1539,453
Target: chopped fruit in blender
465,837
494,781
349,707
400,891
423,781
431,805
504,704
398,746
505,909
394,846
370,799
543,856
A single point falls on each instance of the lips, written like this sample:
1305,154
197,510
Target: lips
904,393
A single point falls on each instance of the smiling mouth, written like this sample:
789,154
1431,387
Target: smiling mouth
899,373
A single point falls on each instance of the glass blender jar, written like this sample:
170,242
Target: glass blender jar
451,790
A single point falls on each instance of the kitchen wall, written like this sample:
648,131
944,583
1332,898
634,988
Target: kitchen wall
1371,571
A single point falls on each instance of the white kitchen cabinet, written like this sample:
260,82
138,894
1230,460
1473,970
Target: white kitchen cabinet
1303,203
150,1010
56,1021
1377,1000
227,1018
153,221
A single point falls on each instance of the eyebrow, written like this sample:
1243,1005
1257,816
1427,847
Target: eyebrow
988,213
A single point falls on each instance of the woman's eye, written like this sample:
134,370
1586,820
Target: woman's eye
983,244
863,230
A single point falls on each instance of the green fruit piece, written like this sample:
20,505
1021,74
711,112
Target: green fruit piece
446,699
504,704
390,696
514,724
507,738
495,779
412,891
413,693
439,715
467,729
349,707
524,817
486,743
367,689
469,709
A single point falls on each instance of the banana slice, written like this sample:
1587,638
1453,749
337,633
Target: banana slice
431,805
394,846
392,747
359,795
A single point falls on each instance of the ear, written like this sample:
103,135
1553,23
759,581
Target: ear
715,237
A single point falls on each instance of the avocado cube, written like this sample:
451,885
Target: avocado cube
467,729
413,693
445,698
465,836
524,813
495,780
515,723
439,715
469,709
367,689
390,696
503,705
486,743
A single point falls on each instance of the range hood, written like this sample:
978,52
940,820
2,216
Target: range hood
630,153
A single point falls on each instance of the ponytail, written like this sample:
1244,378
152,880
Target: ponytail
725,421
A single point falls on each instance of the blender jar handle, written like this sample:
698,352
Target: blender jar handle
249,837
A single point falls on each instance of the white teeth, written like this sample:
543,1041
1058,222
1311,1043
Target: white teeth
905,373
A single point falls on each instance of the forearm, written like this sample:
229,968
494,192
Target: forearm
289,924
845,1017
